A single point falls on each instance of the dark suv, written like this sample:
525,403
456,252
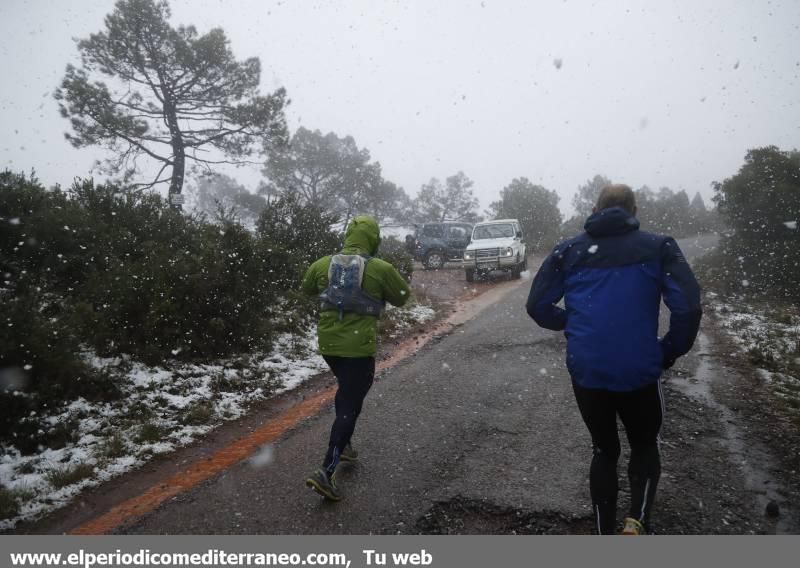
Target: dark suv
437,243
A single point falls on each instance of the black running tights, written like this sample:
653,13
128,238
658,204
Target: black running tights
355,376
641,412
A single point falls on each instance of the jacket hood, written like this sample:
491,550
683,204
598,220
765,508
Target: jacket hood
611,221
363,236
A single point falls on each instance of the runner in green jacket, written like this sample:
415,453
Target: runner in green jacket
348,339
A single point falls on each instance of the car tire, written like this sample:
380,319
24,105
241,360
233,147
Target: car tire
434,260
469,273
516,270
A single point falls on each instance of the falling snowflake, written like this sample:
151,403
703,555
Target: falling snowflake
263,457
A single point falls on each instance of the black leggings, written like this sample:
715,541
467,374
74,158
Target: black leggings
355,378
641,412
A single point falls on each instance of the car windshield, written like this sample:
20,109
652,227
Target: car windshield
492,232
435,231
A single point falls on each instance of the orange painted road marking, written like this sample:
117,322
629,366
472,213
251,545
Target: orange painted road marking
204,469
217,463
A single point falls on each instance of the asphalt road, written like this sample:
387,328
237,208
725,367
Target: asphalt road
478,432
485,413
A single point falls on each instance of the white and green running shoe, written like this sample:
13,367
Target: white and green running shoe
323,484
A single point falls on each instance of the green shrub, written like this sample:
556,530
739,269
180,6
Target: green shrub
199,413
129,274
294,235
221,382
9,507
122,272
395,253
191,290
151,433
739,267
761,204
114,447
69,474
61,434
40,367
27,467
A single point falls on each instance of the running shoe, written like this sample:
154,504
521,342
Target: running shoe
348,454
632,527
323,484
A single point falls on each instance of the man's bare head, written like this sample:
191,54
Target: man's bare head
616,195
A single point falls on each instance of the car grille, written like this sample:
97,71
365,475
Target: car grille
487,253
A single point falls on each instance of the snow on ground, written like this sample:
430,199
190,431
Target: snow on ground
769,336
403,318
162,408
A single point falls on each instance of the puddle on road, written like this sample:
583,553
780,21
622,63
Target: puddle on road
754,460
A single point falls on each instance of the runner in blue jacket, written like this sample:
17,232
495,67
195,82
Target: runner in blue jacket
612,278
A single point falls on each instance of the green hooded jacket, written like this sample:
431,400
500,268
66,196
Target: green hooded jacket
356,335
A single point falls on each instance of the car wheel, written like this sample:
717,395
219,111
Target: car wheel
470,274
516,270
434,261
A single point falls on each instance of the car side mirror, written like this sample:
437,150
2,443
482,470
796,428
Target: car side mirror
519,234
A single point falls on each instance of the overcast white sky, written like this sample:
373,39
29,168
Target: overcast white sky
660,93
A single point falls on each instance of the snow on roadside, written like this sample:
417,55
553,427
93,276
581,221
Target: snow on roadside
769,336
401,319
161,409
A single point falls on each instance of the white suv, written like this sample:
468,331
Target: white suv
496,245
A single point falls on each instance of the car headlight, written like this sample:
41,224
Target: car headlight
467,256
509,252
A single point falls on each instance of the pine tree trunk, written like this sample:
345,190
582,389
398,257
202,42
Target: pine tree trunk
178,153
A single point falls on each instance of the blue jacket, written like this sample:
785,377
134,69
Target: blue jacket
612,279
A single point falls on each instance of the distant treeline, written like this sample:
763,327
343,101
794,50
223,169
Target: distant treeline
664,211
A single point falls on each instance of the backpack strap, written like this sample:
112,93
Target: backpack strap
343,294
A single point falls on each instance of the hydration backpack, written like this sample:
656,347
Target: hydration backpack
344,292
